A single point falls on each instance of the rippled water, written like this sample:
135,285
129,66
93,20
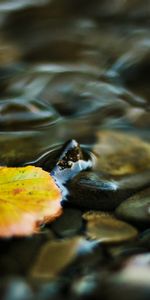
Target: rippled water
69,69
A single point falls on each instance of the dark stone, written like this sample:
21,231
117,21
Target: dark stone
136,208
126,250
144,239
131,281
86,287
90,190
15,289
54,257
20,253
51,290
68,224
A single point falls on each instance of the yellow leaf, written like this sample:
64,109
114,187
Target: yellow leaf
29,196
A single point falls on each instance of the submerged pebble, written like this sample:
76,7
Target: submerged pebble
54,257
106,228
86,287
15,289
68,224
136,208
17,254
132,281
120,153
144,238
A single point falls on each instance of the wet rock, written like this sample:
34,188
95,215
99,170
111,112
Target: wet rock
144,239
9,265
126,250
17,255
92,190
54,258
64,161
69,224
9,53
132,281
57,49
117,9
92,258
86,287
71,162
139,117
107,229
7,73
52,290
15,289
136,208
120,154
6,6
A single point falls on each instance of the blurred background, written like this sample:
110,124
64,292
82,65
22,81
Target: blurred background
69,68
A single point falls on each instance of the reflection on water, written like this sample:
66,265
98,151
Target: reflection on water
69,69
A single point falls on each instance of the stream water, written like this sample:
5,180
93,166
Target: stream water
79,70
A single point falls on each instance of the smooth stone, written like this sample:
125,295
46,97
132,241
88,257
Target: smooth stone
92,190
54,257
9,265
68,224
92,258
132,281
121,153
86,287
51,290
23,251
9,52
139,117
144,239
116,10
15,289
106,228
136,208
126,250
